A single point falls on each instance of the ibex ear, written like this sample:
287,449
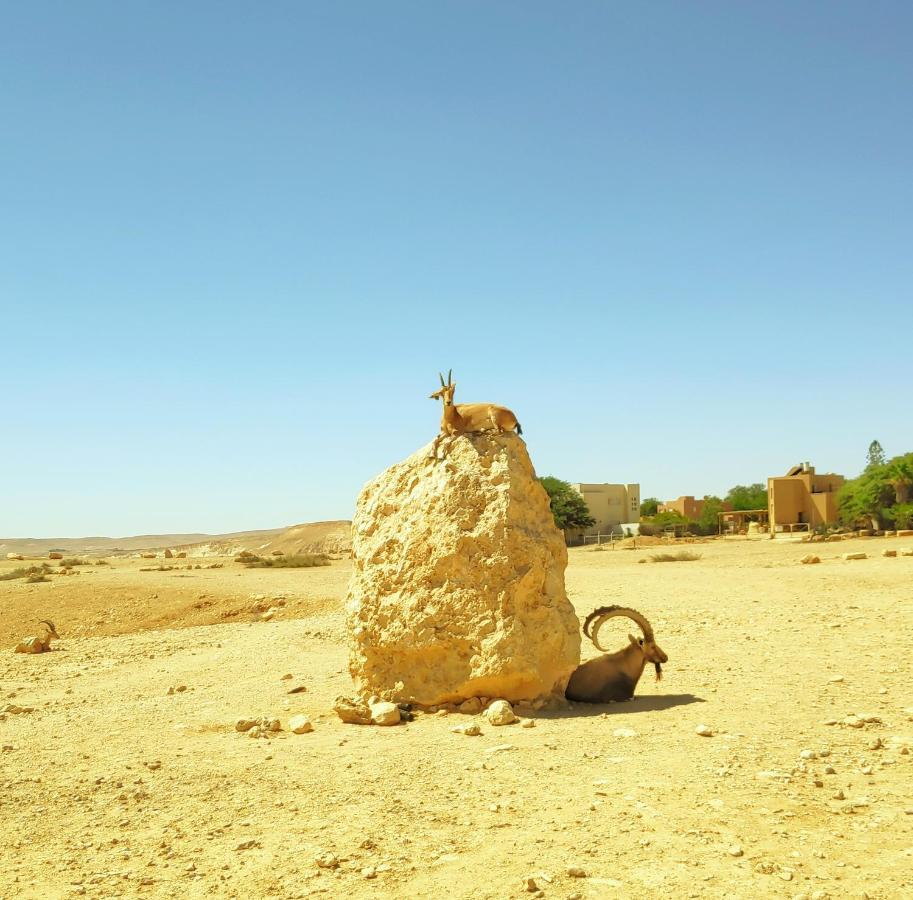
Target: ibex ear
635,641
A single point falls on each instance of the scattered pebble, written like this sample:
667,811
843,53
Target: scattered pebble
735,850
300,725
500,713
352,712
472,730
624,732
385,713
576,872
704,731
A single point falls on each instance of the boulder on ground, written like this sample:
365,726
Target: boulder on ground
854,556
889,553
55,555
385,713
500,713
14,556
810,559
352,712
300,725
457,588
168,554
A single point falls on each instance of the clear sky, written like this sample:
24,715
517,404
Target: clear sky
238,241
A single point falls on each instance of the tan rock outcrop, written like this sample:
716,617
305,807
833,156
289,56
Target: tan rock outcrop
457,588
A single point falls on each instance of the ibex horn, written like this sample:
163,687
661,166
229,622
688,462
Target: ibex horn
450,377
442,379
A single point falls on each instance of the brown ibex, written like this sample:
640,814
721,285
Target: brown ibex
463,418
614,676
41,643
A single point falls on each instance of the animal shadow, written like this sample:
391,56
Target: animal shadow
646,703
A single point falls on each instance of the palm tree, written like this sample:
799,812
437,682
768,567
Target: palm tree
900,477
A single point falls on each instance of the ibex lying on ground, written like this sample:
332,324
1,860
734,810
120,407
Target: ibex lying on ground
615,675
461,418
41,643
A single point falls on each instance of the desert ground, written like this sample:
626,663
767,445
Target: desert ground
122,775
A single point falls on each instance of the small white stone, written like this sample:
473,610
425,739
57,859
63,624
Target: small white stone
500,713
385,713
808,754
704,731
300,725
735,850
624,732
470,730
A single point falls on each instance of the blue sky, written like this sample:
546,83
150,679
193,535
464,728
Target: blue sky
238,241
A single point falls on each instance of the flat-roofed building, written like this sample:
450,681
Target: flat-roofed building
610,505
802,497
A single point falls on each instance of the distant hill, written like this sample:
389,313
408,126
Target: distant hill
315,537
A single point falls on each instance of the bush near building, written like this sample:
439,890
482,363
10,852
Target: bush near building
882,496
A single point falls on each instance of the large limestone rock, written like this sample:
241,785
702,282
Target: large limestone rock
457,588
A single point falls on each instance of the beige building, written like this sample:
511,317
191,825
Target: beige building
610,505
802,497
687,507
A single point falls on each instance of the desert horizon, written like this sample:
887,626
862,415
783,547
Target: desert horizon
456,450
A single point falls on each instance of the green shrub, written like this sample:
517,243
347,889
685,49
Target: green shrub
301,561
27,572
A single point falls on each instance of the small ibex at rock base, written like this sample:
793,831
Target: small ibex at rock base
41,643
464,418
614,676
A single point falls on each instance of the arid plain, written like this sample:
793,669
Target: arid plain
127,777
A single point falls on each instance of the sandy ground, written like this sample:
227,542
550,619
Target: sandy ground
114,787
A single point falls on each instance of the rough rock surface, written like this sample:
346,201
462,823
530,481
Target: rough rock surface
457,587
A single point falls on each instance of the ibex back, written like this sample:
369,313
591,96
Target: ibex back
465,418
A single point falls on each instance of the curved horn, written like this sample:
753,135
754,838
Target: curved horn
608,612
49,623
442,379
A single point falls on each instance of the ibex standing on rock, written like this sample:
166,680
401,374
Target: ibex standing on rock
41,643
462,418
614,676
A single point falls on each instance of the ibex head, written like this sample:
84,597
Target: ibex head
652,652
446,391
49,627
